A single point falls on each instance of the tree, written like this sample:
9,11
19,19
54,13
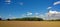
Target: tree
29,19
0,18
8,19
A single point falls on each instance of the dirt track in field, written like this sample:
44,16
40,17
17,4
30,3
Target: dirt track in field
29,23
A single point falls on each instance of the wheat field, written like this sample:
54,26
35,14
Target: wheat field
29,23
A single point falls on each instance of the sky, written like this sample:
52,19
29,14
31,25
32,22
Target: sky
23,8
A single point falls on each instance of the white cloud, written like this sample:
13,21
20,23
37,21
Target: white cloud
21,3
54,14
8,1
49,7
55,3
50,15
29,13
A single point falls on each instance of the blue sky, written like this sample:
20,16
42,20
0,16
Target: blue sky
17,8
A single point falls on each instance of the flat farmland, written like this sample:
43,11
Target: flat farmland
29,23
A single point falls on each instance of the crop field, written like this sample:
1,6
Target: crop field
29,23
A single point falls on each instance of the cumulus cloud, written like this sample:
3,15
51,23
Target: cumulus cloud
8,1
49,7
54,15
53,12
56,3
50,15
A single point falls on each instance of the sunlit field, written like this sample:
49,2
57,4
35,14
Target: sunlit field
29,23
29,13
